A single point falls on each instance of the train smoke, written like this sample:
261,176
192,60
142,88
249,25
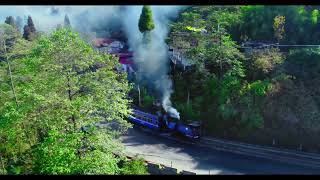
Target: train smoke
152,60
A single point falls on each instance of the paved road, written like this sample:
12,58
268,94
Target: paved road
201,159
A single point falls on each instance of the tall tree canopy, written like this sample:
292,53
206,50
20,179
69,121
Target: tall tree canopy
10,20
67,23
146,22
64,89
31,25
29,30
278,27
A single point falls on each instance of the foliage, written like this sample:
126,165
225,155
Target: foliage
257,23
263,62
8,36
265,92
31,25
219,93
10,20
60,91
148,100
29,30
135,167
146,22
314,16
259,88
278,27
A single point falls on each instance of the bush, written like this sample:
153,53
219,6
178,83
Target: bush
264,62
147,99
135,167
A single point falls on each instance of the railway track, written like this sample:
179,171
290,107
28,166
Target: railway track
311,160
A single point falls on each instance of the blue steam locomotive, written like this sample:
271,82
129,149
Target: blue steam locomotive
165,122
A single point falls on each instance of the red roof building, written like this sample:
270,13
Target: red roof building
101,42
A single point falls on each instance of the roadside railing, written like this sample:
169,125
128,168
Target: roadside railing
266,152
277,154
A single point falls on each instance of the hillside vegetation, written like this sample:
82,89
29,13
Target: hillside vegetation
263,96
53,91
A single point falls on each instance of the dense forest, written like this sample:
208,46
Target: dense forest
266,95
55,87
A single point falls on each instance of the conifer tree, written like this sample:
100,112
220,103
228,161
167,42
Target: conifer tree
31,25
27,33
146,23
29,30
10,20
67,23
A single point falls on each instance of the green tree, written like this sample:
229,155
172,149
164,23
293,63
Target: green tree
27,34
278,27
31,25
146,23
10,20
262,63
8,36
314,16
13,134
218,77
135,167
29,30
62,95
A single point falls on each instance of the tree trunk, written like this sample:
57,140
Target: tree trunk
13,88
139,95
70,98
10,74
220,44
188,100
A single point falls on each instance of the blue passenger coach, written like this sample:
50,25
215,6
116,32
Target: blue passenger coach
165,123
145,119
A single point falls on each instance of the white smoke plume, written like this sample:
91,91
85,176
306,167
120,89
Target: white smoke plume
152,62
46,18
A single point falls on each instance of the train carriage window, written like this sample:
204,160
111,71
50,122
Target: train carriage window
145,118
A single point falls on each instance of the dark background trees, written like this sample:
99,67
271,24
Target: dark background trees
29,30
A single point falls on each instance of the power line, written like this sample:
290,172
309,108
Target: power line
281,45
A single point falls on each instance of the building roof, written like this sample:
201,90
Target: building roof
99,42
125,60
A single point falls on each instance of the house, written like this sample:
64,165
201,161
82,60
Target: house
117,48
178,59
126,61
111,46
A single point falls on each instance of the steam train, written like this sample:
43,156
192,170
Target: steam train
163,122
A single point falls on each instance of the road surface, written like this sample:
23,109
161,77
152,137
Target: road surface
202,160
